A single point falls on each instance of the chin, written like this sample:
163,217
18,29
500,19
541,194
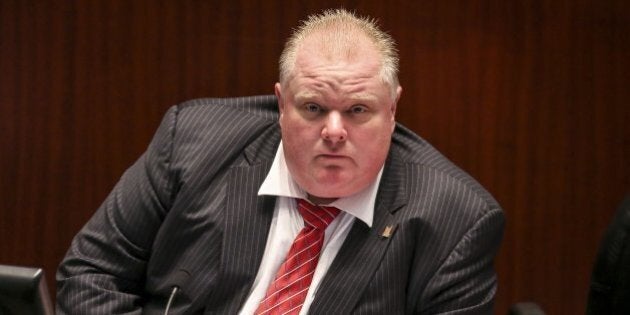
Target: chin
331,191
332,185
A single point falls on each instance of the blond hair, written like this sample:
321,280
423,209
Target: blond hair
341,28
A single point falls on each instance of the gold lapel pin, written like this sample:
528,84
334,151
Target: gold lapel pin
389,231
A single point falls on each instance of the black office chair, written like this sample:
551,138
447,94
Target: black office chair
525,308
609,292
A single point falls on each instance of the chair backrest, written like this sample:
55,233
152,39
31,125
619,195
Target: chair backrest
609,291
23,291
525,308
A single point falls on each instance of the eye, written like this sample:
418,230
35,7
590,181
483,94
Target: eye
312,108
358,109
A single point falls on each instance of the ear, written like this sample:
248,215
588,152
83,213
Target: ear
398,93
278,92
394,106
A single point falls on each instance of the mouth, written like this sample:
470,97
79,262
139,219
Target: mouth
332,156
333,159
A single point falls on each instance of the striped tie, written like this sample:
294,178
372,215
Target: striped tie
287,292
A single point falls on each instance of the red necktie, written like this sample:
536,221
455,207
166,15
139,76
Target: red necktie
287,292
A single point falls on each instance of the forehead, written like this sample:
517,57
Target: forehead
358,81
319,60
346,67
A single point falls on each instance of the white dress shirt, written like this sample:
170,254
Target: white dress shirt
287,223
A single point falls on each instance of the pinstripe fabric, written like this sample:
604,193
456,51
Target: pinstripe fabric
190,203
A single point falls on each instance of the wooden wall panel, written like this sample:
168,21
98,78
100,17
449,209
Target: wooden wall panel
531,97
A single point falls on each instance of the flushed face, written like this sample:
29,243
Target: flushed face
337,118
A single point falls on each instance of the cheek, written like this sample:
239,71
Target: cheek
296,139
297,129
378,131
375,144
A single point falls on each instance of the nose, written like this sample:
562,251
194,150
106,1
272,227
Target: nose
334,130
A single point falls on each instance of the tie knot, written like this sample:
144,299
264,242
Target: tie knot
316,216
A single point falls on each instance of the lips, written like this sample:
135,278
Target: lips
333,156
329,160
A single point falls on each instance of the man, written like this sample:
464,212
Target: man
226,191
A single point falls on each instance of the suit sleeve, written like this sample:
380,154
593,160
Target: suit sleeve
103,271
466,282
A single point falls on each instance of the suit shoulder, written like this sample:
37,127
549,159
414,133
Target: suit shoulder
227,118
261,106
430,169
216,130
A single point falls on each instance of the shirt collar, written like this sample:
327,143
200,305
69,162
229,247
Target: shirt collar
279,182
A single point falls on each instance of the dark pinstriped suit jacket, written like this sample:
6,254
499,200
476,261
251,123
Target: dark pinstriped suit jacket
190,202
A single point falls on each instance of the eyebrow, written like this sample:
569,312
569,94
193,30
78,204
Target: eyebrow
364,97
357,98
305,95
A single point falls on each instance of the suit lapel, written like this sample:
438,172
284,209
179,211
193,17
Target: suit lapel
363,249
247,219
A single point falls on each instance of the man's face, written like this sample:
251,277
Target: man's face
337,118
